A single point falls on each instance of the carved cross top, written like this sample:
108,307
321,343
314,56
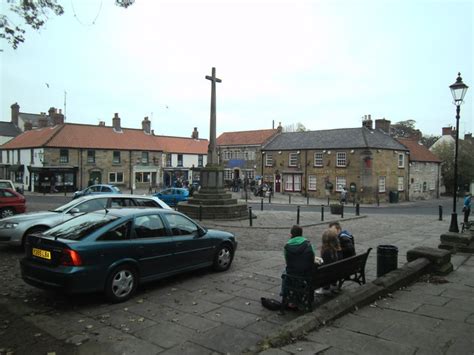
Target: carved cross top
213,77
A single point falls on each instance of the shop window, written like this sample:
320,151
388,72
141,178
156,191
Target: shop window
292,182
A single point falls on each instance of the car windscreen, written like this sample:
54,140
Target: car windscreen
115,188
80,227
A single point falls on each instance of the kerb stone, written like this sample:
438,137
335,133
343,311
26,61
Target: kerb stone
435,256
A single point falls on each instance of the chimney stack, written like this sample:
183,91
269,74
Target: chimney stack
15,113
101,123
195,134
58,118
383,125
468,137
42,122
367,122
146,125
116,123
448,131
279,128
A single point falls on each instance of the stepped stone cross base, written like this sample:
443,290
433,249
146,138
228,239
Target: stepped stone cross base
458,242
213,201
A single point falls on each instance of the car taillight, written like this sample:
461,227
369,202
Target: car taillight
70,258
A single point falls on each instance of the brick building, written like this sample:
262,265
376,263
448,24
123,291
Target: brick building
368,162
67,157
240,152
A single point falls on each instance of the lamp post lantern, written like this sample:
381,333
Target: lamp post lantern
458,89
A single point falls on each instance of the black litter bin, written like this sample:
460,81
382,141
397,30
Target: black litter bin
387,259
393,196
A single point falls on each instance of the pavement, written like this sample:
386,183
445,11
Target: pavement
220,313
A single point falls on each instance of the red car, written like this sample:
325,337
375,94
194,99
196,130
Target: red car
11,202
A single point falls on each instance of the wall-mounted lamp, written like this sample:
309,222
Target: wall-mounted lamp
329,152
298,152
352,151
279,152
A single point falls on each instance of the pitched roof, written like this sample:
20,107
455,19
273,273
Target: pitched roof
418,152
32,138
34,118
256,137
8,129
71,135
344,138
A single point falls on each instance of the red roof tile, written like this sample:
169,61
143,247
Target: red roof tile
104,137
419,152
257,137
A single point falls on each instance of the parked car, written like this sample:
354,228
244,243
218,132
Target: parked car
116,250
173,195
13,230
8,184
97,189
11,202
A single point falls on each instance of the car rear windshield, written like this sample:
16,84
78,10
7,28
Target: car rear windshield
80,227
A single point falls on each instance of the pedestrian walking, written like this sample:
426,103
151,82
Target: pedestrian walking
467,207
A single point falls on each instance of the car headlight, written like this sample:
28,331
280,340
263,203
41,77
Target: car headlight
9,225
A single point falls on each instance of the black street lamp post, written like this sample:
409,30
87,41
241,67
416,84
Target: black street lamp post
458,89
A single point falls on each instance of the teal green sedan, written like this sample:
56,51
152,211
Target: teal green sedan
115,250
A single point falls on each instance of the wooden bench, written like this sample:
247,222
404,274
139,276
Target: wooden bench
299,290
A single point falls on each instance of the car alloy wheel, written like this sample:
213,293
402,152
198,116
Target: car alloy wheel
7,212
121,284
223,258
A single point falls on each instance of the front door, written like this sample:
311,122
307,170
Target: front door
95,177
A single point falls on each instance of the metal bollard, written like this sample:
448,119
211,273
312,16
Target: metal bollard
440,212
342,210
270,198
328,200
378,201
250,216
357,209
261,204
322,212
289,199
307,200
200,212
297,214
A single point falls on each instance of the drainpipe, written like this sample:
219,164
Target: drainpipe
130,170
306,172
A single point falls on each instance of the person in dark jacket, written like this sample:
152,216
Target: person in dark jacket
346,240
330,253
299,255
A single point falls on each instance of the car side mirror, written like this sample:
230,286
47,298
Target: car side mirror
201,232
74,211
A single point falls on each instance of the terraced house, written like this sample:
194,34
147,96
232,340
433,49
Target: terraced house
366,161
68,156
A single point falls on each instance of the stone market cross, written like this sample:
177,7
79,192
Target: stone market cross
211,150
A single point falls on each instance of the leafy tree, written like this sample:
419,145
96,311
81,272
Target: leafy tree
404,129
428,141
445,153
298,127
33,13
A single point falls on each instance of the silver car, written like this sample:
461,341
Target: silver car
14,229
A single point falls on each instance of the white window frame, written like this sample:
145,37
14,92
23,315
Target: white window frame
382,184
401,160
341,159
269,159
312,182
293,182
432,184
293,159
401,183
228,174
318,159
115,179
340,183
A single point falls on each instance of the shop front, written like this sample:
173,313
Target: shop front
53,179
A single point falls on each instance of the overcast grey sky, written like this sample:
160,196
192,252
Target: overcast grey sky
322,63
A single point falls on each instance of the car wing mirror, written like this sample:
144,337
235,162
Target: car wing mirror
74,210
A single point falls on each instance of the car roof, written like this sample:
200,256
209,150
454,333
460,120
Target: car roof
125,212
109,195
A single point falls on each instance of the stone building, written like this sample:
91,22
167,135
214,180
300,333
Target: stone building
240,152
68,157
368,162
424,171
